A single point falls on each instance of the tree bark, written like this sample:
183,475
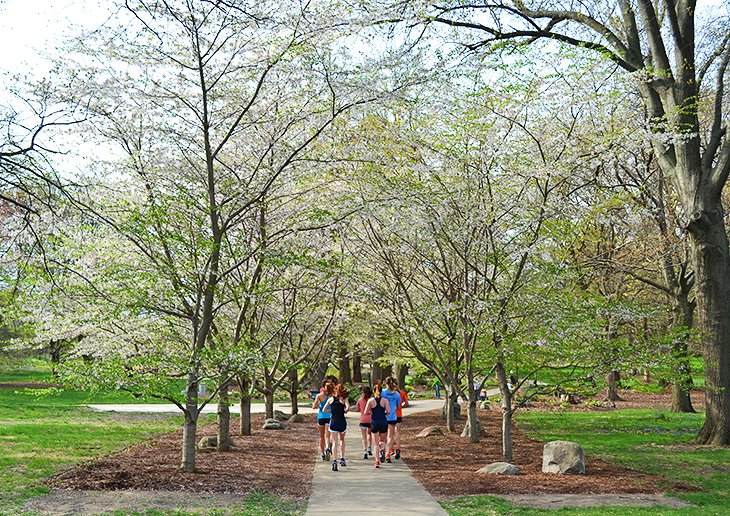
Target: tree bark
376,371
612,380
710,258
401,370
224,420
190,426
507,412
344,364
294,391
244,427
451,398
356,368
269,402
387,370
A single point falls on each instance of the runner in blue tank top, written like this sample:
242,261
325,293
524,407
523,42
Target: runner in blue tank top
394,402
323,418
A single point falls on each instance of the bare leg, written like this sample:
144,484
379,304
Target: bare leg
365,432
376,443
336,443
391,439
397,436
328,436
342,445
322,444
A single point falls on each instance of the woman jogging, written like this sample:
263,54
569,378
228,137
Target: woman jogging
323,418
391,394
338,405
365,422
377,408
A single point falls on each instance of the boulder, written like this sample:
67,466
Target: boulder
296,418
273,424
500,468
563,457
467,433
209,442
430,430
281,416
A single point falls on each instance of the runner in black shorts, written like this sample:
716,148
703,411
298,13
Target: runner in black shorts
377,407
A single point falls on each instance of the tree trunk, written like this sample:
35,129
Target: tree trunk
376,374
451,398
244,427
268,398
356,368
612,380
507,412
224,420
344,364
401,370
190,427
474,434
294,391
710,257
387,370
682,383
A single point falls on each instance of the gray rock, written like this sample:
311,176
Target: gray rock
208,442
273,424
563,457
296,418
457,411
281,416
500,468
430,430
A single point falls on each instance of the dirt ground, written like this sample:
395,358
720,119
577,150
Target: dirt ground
282,462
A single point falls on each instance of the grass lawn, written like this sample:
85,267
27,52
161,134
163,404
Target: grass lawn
43,431
654,441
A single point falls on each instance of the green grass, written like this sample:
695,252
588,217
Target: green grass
652,441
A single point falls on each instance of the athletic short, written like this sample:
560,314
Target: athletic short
338,427
379,429
365,425
393,422
399,420
323,421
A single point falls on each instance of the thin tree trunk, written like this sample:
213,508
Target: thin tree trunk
224,419
376,371
612,380
401,370
507,412
294,391
269,398
244,427
344,364
190,427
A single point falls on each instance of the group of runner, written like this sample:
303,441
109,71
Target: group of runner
381,414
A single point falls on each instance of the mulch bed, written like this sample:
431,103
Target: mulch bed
282,462
446,465
276,461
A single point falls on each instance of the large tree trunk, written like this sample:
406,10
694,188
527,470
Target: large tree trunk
190,427
224,419
507,412
710,258
356,368
451,399
377,373
344,364
386,370
269,402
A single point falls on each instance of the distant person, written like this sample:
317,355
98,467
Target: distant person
377,408
512,381
399,418
391,394
323,418
365,422
338,405
437,388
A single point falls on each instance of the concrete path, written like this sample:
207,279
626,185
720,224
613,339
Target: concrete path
359,488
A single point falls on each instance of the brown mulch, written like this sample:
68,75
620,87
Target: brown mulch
254,463
445,465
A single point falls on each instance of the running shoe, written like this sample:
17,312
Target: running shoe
377,463
365,455
334,465
387,459
324,459
397,454
382,455
328,454
342,462
370,450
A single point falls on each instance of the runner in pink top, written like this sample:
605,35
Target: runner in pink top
367,435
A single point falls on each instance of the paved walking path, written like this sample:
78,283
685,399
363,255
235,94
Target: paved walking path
359,488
